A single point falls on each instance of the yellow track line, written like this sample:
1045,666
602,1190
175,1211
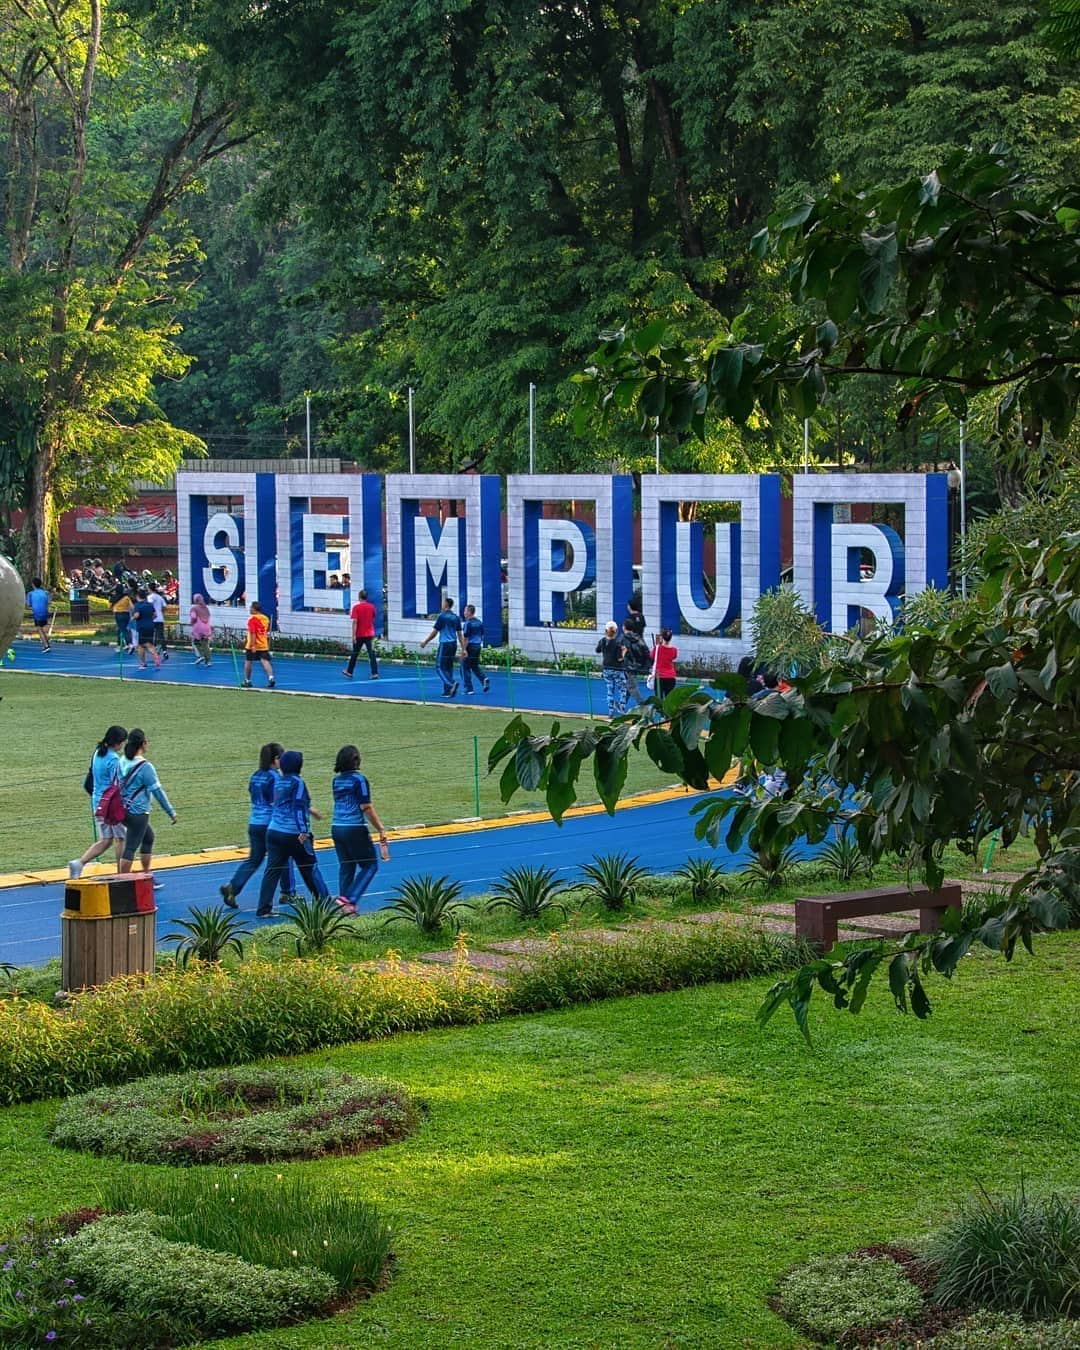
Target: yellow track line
230,853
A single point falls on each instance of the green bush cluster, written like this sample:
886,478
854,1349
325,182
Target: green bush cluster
831,1295
194,1293
236,1115
1014,1253
1006,1331
203,1016
650,962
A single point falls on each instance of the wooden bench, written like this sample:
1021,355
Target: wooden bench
816,917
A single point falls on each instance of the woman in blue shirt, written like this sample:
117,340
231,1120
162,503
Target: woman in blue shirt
139,782
288,835
261,786
349,831
104,771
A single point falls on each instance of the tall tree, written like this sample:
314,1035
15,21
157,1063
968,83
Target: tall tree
99,143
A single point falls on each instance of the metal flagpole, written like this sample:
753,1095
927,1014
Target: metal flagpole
532,428
307,409
806,445
963,506
412,434
658,452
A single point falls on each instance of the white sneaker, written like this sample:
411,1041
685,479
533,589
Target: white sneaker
75,869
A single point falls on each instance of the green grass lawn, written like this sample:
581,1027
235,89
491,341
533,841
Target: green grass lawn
204,744
638,1173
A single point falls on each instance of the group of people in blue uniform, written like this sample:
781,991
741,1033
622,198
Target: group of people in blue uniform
464,635
279,831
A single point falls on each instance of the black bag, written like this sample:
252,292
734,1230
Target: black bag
88,781
637,658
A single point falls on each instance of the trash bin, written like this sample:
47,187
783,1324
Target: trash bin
80,611
108,928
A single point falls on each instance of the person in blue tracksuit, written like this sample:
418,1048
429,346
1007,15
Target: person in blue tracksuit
138,783
353,812
288,834
472,642
38,600
261,786
104,771
447,628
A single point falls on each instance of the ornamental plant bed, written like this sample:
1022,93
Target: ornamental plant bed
237,1115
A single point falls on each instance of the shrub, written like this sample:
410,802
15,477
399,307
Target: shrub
830,1295
845,860
236,1115
704,880
208,934
279,1222
429,902
784,632
529,892
1013,1253
1005,1331
650,962
314,923
130,1265
207,1015
612,879
771,868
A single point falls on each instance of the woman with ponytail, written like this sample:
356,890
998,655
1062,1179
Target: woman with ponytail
104,771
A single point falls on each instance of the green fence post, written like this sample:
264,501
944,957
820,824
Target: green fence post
236,663
990,851
510,681
588,686
476,773
419,677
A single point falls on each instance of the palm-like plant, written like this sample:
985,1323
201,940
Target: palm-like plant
314,923
208,934
771,867
429,902
530,892
703,878
613,879
845,859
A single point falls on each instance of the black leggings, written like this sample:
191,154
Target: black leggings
139,837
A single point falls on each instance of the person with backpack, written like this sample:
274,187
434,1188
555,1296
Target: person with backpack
288,835
353,813
103,772
636,660
261,787
138,783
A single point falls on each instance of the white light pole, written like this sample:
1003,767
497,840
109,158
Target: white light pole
412,434
307,411
532,427
806,445
658,452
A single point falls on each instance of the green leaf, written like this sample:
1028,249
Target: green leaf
664,751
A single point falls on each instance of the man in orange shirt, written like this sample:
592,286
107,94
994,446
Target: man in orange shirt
258,646
363,632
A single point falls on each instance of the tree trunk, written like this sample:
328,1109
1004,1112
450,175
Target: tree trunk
40,512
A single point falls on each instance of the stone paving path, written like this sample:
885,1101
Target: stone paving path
493,959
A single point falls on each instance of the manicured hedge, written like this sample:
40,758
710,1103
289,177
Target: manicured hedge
202,1016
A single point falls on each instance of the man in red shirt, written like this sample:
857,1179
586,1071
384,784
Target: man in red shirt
363,632
258,646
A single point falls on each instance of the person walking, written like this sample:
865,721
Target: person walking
258,646
158,601
353,812
363,629
637,660
611,652
41,612
104,771
201,629
138,783
664,656
261,787
635,619
288,835
447,629
472,640
142,616
121,604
